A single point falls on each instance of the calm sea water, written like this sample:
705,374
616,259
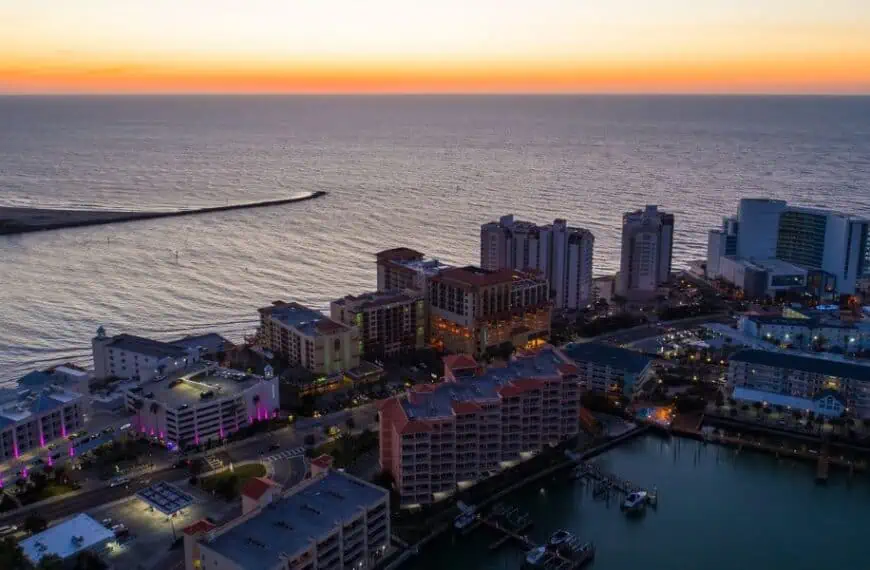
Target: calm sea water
717,511
418,171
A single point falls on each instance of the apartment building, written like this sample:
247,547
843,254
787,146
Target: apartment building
609,369
806,333
561,253
332,521
401,268
444,437
802,376
647,252
33,418
130,357
308,338
207,404
389,322
472,309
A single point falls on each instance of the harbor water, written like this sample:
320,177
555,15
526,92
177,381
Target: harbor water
717,510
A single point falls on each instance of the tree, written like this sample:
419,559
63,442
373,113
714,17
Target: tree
11,556
35,523
87,560
50,562
139,404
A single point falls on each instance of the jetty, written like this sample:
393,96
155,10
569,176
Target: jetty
25,220
604,483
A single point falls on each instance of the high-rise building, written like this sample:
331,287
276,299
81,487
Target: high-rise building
472,309
402,268
647,251
561,253
442,438
389,322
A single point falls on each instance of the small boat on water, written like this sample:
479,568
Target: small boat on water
463,522
536,557
559,538
635,502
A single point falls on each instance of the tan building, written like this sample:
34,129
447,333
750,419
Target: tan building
308,338
472,309
402,268
389,322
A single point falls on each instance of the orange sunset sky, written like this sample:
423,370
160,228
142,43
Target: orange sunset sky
374,46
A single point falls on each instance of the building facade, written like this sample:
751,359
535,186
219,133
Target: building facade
609,369
130,357
332,521
561,253
472,309
807,333
401,269
389,322
33,418
647,251
440,438
802,376
309,339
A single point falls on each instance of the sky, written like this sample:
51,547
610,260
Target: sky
455,46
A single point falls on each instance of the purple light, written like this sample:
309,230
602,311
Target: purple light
222,431
161,435
62,428
50,461
72,451
15,450
41,439
24,472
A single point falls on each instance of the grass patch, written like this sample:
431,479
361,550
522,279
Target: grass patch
228,484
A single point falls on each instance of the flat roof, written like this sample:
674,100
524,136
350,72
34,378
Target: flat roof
372,299
166,498
289,524
474,276
147,346
804,363
308,321
223,382
810,322
775,266
66,539
608,355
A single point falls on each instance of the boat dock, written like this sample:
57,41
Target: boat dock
605,482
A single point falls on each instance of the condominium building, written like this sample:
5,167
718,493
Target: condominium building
33,418
129,357
207,404
833,247
440,438
609,369
472,309
561,253
806,333
389,322
802,376
308,338
401,268
647,251
332,521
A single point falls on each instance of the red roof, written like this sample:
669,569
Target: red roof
256,487
568,368
399,253
475,276
458,361
324,461
415,427
199,526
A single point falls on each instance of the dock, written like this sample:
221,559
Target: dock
605,482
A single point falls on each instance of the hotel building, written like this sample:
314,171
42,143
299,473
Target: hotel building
332,521
32,418
440,438
804,333
309,339
561,253
472,309
204,405
609,369
401,268
647,252
389,322
782,374
136,358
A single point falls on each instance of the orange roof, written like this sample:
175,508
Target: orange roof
256,487
324,461
568,368
465,407
456,361
475,276
415,427
199,526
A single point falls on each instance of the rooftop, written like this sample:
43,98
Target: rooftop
166,498
66,539
399,254
810,364
811,322
188,388
147,346
291,523
256,487
17,406
608,355
373,299
776,266
210,341
474,276
307,321
785,400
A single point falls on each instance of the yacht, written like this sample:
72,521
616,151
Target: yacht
559,538
635,501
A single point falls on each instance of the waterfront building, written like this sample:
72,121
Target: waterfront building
472,309
561,253
832,247
806,333
129,357
762,277
647,252
308,338
802,376
401,268
827,403
32,418
67,376
332,521
207,404
440,438
68,539
209,345
389,322
609,369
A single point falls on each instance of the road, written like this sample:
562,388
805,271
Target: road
657,329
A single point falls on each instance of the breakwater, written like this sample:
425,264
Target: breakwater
25,220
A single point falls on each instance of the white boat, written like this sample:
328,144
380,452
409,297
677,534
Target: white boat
536,557
635,501
464,521
559,538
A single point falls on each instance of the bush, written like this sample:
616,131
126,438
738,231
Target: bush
35,523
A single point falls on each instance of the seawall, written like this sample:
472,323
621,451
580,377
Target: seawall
25,220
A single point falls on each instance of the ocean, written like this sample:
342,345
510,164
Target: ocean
416,171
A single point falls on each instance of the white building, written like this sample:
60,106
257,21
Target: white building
762,277
136,358
561,253
332,521
68,539
805,333
207,404
647,251
33,418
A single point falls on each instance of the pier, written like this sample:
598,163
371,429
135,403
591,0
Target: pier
25,220
605,482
